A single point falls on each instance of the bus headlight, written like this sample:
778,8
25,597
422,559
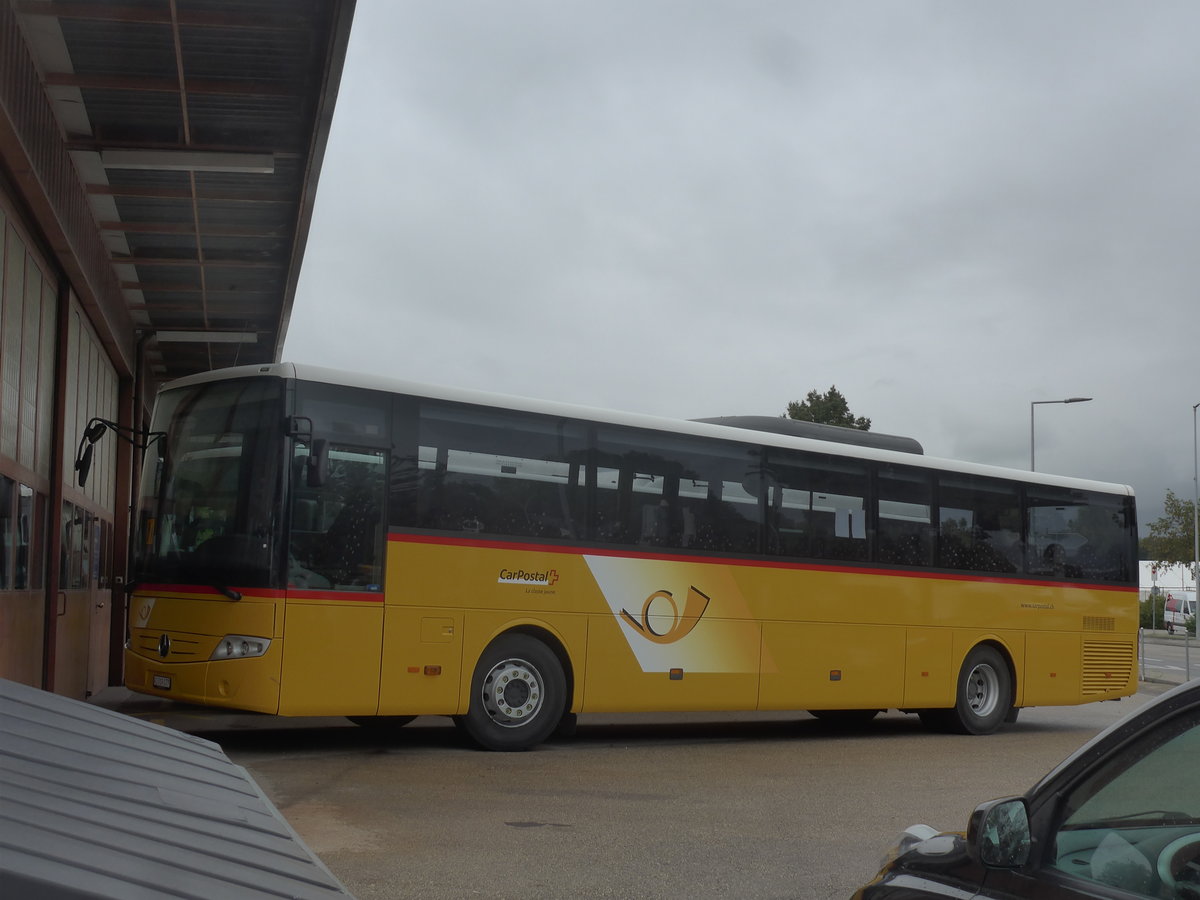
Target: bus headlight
240,646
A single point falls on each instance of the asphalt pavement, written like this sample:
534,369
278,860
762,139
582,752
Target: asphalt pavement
374,828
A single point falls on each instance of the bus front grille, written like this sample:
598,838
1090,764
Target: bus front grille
179,648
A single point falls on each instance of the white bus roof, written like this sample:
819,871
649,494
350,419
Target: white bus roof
638,420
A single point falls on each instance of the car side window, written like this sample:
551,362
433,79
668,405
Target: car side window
1134,823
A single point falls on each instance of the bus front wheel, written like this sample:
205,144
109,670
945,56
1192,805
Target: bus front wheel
518,694
984,695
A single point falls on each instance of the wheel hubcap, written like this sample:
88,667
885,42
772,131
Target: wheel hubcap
983,690
512,693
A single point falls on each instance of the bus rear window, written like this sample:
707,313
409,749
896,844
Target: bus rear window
1079,534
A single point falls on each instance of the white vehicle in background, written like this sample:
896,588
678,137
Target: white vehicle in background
1178,609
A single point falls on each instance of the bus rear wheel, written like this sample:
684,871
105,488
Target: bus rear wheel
518,694
983,699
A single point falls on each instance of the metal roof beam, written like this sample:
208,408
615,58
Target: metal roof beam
191,228
87,144
162,16
168,193
166,287
194,261
170,85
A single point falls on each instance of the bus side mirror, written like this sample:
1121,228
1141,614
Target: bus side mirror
83,457
317,464
84,464
300,427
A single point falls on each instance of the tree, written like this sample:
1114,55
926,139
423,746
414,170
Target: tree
1153,609
1171,536
829,408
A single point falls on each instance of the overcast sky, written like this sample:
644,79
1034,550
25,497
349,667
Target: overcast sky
690,209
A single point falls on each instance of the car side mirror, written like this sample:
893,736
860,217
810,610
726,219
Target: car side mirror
999,835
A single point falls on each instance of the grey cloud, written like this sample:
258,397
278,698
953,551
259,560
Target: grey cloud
949,210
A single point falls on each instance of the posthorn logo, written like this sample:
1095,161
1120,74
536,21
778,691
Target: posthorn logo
521,576
662,609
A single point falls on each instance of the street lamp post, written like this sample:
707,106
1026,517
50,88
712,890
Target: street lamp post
1040,403
1195,522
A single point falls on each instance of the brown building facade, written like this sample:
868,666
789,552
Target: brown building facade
158,163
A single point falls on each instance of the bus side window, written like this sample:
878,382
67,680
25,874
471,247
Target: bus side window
817,506
979,524
905,535
338,535
675,491
735,515
609,523
499,472
652,509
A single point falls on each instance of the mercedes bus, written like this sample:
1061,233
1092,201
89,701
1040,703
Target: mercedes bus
317,543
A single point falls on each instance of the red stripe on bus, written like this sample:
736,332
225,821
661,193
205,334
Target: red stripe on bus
204,590
341,596
207,590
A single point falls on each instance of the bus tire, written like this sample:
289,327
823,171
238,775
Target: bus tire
518,694
984,695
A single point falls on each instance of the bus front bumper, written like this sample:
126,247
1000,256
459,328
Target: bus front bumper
249,684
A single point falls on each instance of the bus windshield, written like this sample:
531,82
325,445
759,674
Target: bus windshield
211,487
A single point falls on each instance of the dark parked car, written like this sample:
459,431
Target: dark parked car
1119,818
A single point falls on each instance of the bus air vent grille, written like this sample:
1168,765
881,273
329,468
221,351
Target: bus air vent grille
1107,666
1099,623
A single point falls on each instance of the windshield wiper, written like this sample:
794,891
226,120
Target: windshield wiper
228,592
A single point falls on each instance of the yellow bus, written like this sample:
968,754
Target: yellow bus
313,542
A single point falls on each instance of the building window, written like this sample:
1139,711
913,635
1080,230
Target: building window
8,533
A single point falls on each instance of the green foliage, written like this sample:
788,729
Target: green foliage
829,408
1171,536
1153,610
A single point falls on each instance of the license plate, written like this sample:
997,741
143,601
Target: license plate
162,682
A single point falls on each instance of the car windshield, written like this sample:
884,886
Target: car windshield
1152,783
211,489
1134,823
